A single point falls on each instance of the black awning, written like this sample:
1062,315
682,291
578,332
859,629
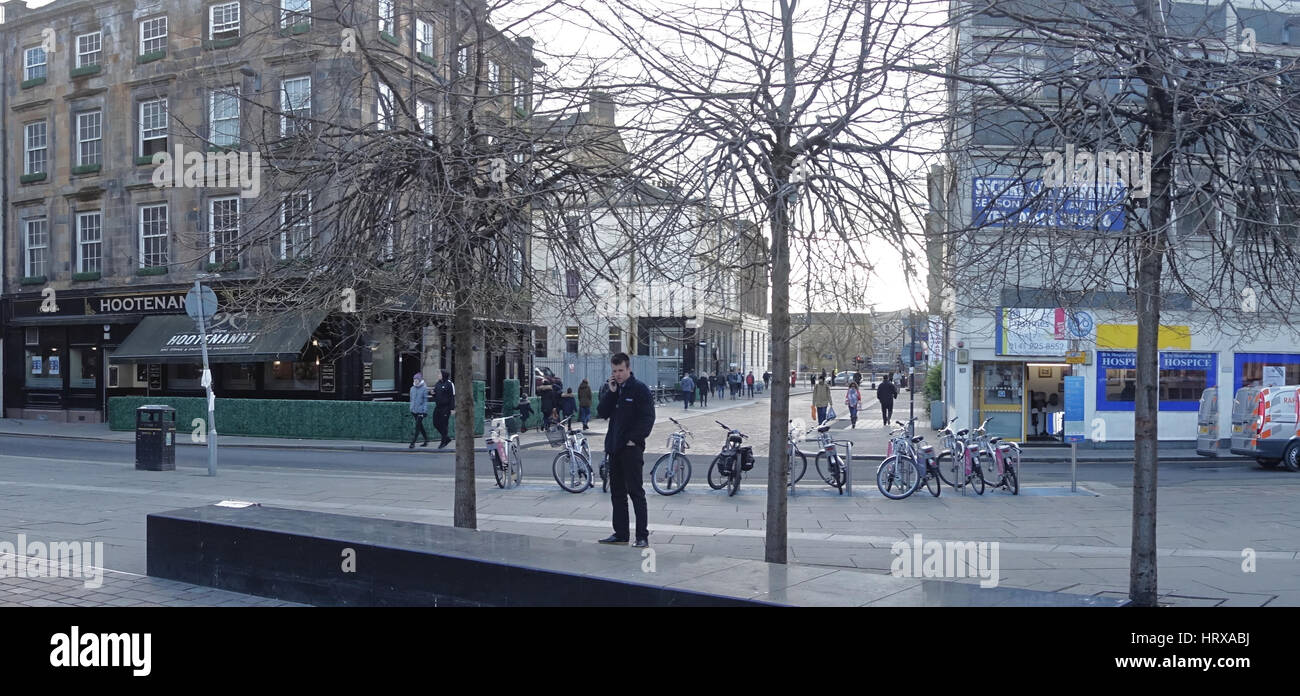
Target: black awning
233,338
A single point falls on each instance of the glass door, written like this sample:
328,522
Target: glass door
999,394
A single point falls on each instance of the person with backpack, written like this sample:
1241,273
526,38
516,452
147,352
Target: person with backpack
822,399
749,382
584,403
853,399
419,408
568,404
688,391
444,400
886,393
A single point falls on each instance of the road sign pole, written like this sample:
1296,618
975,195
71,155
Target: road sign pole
1074,467
207,383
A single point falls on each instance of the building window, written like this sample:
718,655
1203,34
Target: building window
90,242
521,97
153,35
223,21
539,342
223,229
88,49
153,127
34,63
615,340
38,247
293,12
494,77
90,138
295,101
223,114
36,148
462,61
383,366
383,107
386,22
571,339
153,235
298,375
424,37
1183,376
424,115
571,284
295,225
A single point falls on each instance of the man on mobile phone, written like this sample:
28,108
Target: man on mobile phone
631,412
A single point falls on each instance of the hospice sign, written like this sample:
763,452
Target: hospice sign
1010,202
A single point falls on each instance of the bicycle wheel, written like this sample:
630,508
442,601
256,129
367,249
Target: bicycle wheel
946,463
977,475
497,469
735,478
933,483
570,470
715,477
823,464
669,474
896,478
798,467
839,472
516,466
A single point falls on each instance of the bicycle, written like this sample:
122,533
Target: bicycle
503,449
731,461
897,478
797,467
835,471
572,467
672,472
1006,460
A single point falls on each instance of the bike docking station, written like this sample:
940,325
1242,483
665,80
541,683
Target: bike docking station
1074,386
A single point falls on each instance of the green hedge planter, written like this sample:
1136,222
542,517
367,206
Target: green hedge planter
301,28
378,421
224,266
220,43
142,161
32,178
33,82
389,38
87,169
88,275
87,70
151,57
427,59
32,280
151,271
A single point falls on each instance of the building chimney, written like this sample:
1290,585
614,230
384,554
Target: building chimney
602,108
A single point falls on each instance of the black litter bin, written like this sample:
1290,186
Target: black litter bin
155,438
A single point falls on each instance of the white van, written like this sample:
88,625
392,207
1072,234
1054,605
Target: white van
1264,425
1207,424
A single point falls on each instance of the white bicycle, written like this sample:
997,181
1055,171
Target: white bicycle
503,449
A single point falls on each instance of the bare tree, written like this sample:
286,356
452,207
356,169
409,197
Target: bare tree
790,116
1186,197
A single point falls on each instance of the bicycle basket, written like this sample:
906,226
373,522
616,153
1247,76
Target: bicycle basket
556,436
746,458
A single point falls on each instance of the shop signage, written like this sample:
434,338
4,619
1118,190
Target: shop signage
367,372
1034,331
54,365
107,305
327,378
1125,360
155,377
1074,388
1076,357
998,201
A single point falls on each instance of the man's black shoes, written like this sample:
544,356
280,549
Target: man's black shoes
641,543
613,539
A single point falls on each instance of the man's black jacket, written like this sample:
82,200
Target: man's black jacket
444,395
631,414
886,392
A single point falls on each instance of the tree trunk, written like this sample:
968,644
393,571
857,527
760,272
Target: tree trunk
779,425
462,336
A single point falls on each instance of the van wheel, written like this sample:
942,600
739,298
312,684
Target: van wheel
1291,458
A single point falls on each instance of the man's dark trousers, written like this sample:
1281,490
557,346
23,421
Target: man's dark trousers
887,410
625,468
440,418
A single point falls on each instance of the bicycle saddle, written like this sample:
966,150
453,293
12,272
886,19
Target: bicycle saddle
824,428
917,439
994,440
962,432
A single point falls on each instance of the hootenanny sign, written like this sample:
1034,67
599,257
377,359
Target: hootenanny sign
105,305
231,338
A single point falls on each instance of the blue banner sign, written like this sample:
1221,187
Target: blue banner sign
999,201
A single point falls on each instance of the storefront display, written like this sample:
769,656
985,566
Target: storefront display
1183,377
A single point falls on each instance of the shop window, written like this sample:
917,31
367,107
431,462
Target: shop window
999,393
84,366
44,368
1183,376
239,376
185,376
1267,369
383,375
292,375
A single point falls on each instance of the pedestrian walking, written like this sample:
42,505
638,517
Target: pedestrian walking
886,393
568,404
631,413
687,387
793,376
749,382
812,380
767,380
721,384
853,399
444,399
822,399
549,398
419,408
734,380
703,385
584,403
525,413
